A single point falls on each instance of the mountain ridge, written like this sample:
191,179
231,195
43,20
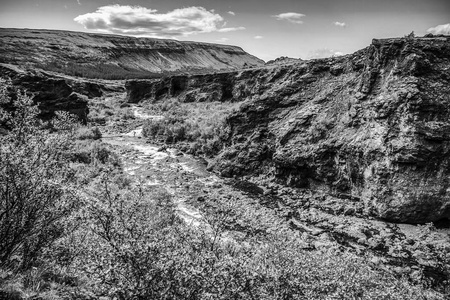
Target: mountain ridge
94,54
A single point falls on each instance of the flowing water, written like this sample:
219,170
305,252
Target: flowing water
181,175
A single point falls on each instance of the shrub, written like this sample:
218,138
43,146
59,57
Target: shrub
93,152
35,185
84,133
126,114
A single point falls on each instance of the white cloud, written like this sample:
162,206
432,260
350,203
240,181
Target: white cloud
141,21
229,29
340,24
440,29
290,17
258,37
322,53
79,3
232,13
223,40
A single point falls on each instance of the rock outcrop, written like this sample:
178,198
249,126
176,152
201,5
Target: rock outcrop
284,60
92,55
188,88
372,126
52,93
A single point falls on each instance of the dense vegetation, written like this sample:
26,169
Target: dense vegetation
196,128
35,186
74,226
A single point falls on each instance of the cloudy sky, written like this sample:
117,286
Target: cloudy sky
265,28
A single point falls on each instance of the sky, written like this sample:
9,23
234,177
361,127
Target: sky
265,28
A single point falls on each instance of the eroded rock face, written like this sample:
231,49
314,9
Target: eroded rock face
224,86
52,93
189,88
373,125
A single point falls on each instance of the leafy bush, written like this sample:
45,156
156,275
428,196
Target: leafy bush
84,133
35,185
93,152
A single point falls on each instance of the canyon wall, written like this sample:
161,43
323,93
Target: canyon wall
373,126
54,93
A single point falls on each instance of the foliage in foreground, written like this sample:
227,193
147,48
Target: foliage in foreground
137,248
35,185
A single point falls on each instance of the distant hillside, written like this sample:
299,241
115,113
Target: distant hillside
116,57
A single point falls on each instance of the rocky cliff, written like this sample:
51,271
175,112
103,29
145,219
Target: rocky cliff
97,55
372,126
188,88
55,93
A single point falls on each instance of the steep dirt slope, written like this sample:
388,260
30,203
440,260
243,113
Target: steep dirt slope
112,53
372,126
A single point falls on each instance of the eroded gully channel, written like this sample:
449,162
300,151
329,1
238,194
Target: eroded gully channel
188,181
179,174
